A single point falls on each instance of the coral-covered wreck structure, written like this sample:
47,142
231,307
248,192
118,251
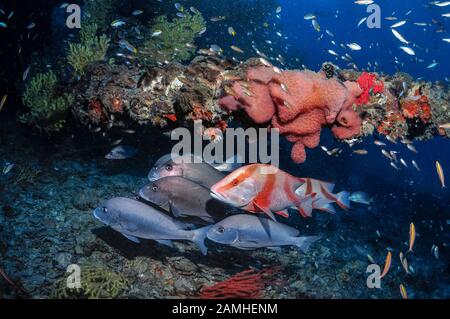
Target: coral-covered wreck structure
299,103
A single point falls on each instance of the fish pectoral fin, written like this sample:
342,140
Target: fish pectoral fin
265,224
132,238
166,242
174,210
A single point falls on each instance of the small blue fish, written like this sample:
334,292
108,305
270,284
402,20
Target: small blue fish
117,23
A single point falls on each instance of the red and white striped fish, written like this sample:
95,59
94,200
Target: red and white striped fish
265,188
324,197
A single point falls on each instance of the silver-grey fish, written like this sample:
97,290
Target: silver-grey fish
361,197
185,166
184,198
137,220
127,45
246,231
121,152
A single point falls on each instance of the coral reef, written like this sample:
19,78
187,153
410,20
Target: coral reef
47,105
160,97
298,103
96,283
175,41
89,49
248,284
401,108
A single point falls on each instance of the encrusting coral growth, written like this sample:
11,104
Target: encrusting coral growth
89,49
172,40
96,283
47,106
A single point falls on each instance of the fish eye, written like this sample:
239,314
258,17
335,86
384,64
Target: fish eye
235,182
220,229
104,210
169,167
154,188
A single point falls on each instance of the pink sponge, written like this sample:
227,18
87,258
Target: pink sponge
298,103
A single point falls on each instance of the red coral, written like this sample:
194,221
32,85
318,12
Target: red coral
198,113
96,113
417,107
117,105
221,125
369,84
298,103
391,121
247,284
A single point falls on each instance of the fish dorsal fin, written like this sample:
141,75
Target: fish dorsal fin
328,186
132,238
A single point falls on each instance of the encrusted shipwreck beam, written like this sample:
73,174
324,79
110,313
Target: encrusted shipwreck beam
300,103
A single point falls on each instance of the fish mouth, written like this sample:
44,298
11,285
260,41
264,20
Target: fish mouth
142,195
223,199
152,177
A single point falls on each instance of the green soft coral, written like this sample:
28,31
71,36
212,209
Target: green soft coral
173,42
47,107
99,12
96,283
89,49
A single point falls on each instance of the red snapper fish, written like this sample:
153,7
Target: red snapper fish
265,188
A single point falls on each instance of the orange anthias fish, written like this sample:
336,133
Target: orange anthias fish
403,292
387,264
265,188
412,236
440,172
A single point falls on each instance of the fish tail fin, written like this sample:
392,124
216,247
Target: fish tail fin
199,238
303,243
342,199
